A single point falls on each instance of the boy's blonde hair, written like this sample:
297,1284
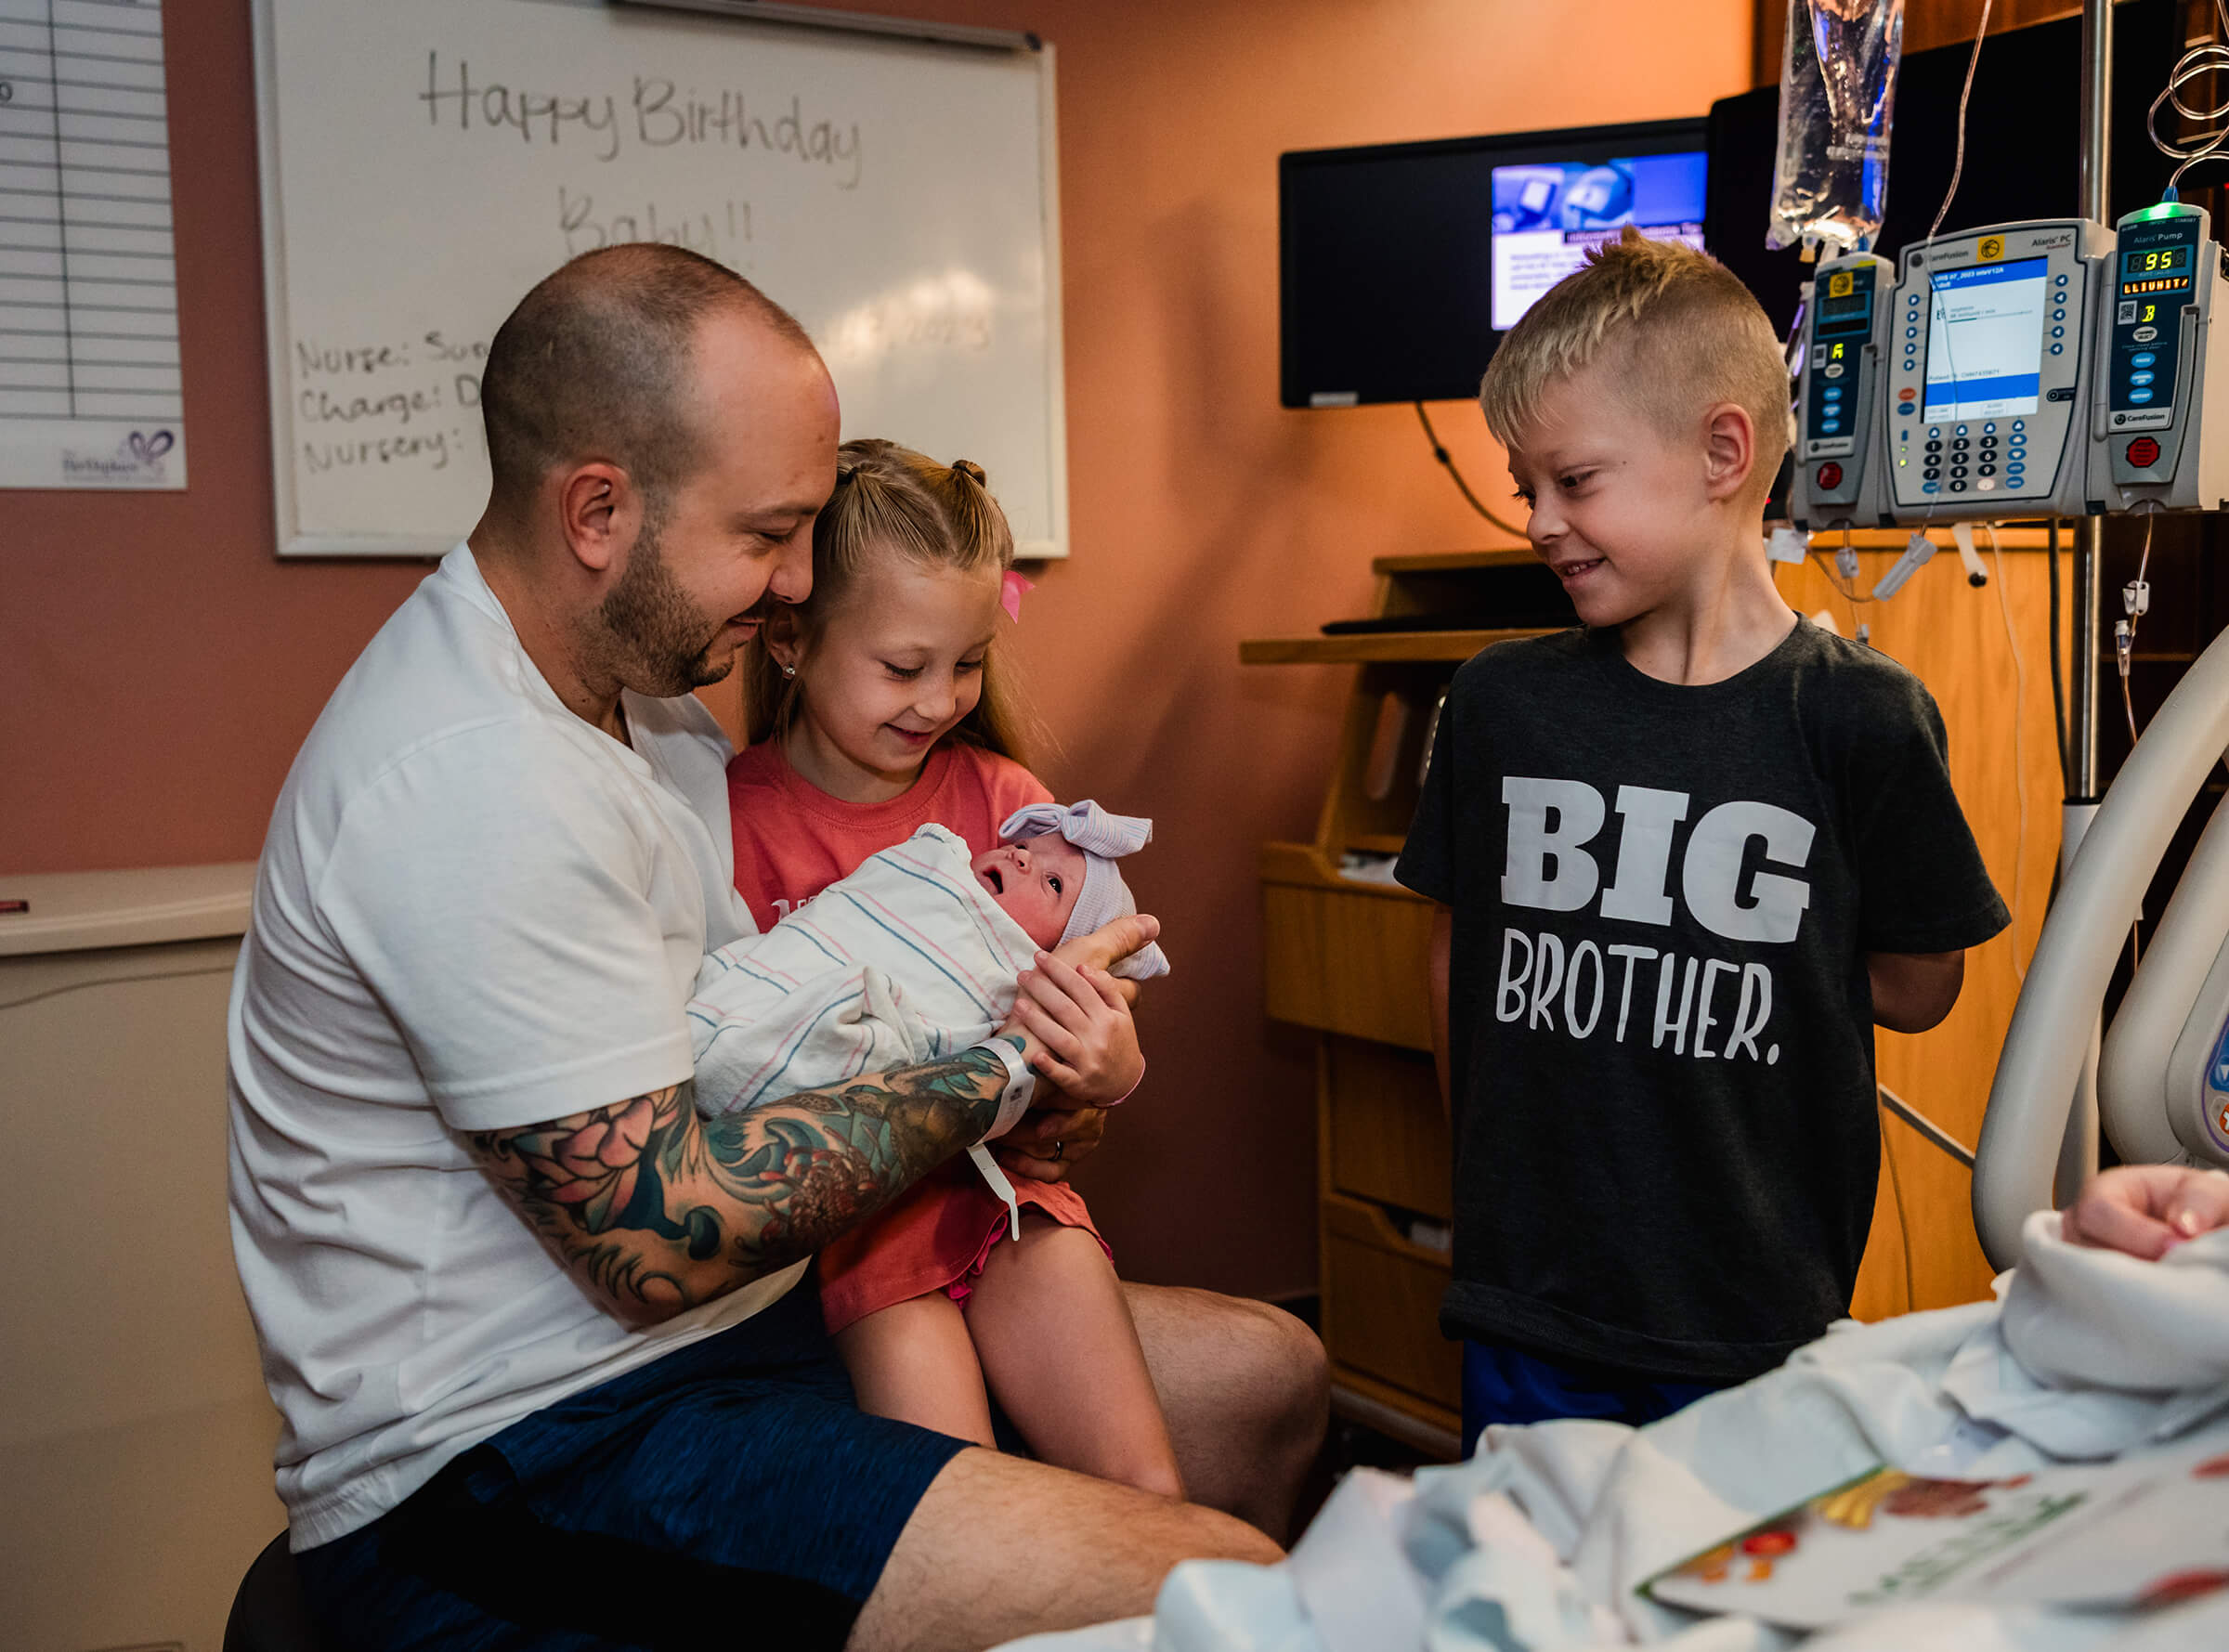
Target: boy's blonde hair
1692,336
892,502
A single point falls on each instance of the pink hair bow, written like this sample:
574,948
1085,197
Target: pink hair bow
1009,593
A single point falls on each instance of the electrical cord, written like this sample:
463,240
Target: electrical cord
2058,675
1957,162
2206,58
1895,1188
1849,591
1441,454
2012,639
1958,170
2136,599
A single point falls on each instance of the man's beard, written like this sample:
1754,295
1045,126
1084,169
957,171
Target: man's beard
659,639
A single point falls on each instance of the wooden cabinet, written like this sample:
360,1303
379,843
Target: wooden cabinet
1345,954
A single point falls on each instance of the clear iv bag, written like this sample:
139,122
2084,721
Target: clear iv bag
1838,90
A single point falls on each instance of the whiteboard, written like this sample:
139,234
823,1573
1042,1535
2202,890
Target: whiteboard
425,161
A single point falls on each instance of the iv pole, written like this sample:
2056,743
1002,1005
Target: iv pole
2077,1150
2005,1191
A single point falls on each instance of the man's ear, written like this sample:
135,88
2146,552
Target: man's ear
1729,449
600,510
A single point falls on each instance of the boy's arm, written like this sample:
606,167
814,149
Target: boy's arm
1913,991
1443,935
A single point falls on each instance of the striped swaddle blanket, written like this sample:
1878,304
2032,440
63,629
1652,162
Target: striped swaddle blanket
904,961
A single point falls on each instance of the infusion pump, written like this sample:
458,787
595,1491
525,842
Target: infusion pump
1835,482
2047,369
1986,411
2154,375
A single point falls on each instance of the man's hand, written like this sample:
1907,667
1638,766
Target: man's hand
1050,1140
2147,1210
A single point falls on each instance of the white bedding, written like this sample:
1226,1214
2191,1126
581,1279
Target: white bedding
1540,1540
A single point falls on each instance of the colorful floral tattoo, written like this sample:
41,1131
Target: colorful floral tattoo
660,1209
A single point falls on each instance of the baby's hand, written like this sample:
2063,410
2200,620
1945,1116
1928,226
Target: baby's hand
1077,1024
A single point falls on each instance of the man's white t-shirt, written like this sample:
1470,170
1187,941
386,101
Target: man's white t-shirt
474,911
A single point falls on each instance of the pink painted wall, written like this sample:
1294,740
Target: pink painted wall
159,666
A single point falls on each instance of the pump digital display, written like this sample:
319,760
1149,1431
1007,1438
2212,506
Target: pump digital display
2155,261
1984,340
2154,270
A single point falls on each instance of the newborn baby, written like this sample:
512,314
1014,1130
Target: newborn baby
912,957
1054,874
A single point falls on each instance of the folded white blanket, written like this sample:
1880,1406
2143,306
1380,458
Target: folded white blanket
1539,1542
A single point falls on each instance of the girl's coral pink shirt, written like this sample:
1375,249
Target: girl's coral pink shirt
793,839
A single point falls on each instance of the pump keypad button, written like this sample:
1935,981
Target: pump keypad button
2144,452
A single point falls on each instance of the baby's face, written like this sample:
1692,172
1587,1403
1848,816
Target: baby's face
1035,882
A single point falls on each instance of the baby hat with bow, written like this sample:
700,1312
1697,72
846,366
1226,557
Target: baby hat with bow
1102,836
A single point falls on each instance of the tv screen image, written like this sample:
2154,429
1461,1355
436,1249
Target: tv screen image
1403,264
1547,213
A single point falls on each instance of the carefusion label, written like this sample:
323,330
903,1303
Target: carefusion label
1984,340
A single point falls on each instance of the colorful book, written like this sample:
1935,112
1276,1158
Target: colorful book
2143,1531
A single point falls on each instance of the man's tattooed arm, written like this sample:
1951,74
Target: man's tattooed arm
658,1209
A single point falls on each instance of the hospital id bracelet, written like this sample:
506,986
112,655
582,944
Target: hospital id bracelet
1021,1083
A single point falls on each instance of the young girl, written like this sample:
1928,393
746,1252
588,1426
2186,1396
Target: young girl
872,710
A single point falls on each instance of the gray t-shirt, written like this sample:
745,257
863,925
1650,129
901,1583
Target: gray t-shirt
1660,1016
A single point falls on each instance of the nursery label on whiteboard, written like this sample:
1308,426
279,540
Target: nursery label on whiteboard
90,394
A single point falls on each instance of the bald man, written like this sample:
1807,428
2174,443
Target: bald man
531,1322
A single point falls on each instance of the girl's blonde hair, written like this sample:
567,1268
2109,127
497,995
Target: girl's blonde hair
891,501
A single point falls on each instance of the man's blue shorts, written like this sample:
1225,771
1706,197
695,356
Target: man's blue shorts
1506,1384
729,1494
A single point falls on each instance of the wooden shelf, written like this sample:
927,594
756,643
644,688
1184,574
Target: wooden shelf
2033,536
1377,842
1364,648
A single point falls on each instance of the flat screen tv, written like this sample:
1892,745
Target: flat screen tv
1401,264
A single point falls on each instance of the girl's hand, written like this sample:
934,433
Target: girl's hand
1109,944
1079,1031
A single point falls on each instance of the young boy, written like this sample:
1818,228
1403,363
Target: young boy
1686,856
